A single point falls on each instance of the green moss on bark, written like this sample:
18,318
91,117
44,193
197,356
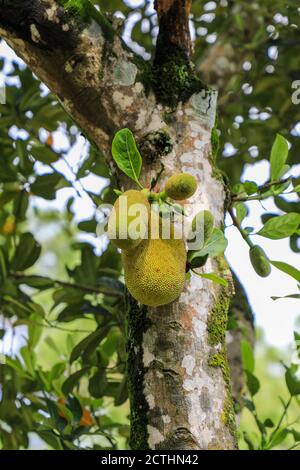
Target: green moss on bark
175,80
155,145
215,142
217,321
216,327
172,77
136,325
86,11
228,416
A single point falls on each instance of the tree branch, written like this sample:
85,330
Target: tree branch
174,32
76,55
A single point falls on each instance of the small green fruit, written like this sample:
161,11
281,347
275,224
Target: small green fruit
181,186
202,228
259,261
124,219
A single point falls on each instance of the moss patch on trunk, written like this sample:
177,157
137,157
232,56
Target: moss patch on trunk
136,325
216,327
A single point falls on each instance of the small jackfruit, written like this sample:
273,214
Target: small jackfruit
128,222
201,229
181,186
259,261
155,270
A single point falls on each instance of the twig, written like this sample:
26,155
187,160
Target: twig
285,408
263,188
237,225
72,285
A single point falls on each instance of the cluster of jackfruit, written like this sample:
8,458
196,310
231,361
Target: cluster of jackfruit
154,268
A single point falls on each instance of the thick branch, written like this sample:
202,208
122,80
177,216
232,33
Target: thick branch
174,32
76,55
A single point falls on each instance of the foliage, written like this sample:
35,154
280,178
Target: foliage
65,377
284,431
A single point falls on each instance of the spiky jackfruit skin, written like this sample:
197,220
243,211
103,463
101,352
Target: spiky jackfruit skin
155,271
202,228
260,261
181,186
120,220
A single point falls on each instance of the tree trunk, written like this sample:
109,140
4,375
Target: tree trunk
178,373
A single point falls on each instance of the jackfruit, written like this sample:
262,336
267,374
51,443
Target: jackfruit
128,222
155,270
201,229
260,261
181,186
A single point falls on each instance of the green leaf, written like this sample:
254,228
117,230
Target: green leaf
247,356
50,438
295,434
197,261
86,272
292,382
252,383
126,154
279,154
268,423
21,203
118,192
290,296
296,189
16,365
73,380
95,338
98,384
277,438
122,393
88,225
46,185
51,343
57,371
215,246
29,359
287,268
3,266
213,277
280,227
241,211
75,407
44,154
250,187
37,282
27,253
35,330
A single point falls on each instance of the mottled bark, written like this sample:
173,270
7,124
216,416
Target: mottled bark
217,66
186,382
178,375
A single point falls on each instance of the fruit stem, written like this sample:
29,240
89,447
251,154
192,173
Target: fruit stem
237,225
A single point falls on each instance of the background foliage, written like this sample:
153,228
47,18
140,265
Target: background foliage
62,297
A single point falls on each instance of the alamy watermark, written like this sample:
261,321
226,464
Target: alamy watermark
162,222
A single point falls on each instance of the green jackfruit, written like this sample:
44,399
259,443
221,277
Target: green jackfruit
155,271
202,228
181,186
128,225
259,261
